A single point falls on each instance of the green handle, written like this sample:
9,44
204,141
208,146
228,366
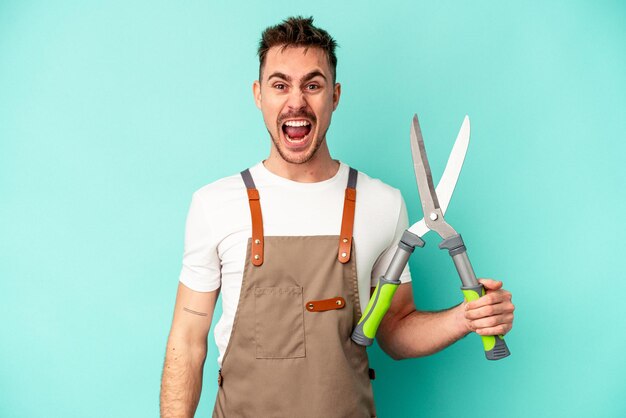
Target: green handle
495,346
376,309
379,303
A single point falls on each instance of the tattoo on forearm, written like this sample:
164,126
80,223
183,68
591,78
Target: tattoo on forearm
194,312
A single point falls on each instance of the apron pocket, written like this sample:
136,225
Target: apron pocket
279,322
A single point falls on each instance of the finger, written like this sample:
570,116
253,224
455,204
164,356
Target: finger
501,329
492,298
492,321
491,284
489,310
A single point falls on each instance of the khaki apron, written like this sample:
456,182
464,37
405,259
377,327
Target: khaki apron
290,354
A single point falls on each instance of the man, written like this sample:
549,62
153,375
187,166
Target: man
295,245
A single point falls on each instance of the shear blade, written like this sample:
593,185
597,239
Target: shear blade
436,199
423,175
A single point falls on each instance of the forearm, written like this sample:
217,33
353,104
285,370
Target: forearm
181,382
419,334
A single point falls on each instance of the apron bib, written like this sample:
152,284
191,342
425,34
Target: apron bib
290,354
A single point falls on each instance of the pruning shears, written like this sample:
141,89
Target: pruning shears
434,205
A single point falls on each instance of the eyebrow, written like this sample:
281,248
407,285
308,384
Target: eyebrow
307,77
312,75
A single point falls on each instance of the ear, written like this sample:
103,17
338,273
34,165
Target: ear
256,92
336,95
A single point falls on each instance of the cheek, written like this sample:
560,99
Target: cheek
270,118
272,108
326,112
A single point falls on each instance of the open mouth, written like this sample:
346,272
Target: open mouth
297,131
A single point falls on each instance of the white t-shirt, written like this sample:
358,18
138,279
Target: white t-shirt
219,226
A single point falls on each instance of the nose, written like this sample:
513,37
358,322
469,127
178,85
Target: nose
296,100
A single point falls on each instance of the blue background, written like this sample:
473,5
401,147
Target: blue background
113,113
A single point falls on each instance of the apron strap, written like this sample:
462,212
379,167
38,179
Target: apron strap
256,253
347,221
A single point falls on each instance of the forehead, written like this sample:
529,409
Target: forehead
296,61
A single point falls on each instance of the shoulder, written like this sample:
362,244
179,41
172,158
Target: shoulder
224,189
373,188
220,205
379,207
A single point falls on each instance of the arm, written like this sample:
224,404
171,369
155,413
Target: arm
406,332
181,382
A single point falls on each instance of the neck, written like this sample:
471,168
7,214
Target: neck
319,168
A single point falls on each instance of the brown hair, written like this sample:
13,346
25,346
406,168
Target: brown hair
297,31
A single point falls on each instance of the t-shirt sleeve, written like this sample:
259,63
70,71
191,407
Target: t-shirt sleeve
380,267
201,263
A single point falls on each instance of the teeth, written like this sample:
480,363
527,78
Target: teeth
294,141
296,123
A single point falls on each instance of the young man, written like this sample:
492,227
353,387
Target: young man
295,244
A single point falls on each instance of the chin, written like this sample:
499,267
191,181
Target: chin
297,155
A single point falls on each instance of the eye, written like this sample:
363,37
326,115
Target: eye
280,86
312,86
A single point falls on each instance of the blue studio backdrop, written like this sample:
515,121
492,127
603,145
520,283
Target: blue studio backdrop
113,113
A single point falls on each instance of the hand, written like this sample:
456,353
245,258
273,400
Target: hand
491,314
